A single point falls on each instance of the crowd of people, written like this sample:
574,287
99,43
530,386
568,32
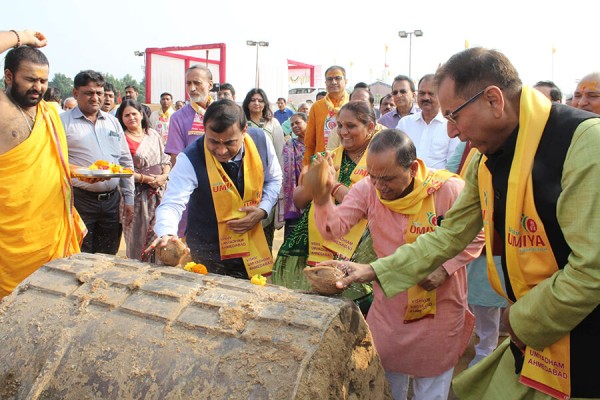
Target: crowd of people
465,201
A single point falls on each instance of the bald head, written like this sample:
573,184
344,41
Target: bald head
587,94
399,142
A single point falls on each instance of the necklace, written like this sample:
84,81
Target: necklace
134,134
356,156
27,120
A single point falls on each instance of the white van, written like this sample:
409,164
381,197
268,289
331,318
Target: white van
303,95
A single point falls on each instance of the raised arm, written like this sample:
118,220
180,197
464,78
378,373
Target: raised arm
15,38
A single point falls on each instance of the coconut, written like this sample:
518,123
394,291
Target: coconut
172,253
323,279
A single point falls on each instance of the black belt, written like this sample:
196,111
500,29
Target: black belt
100,196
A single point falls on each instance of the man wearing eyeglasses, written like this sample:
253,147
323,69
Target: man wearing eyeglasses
403,94
427,128
535,184
322,118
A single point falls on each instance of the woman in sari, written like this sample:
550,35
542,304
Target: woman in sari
151,171
293,152
355,127
258,112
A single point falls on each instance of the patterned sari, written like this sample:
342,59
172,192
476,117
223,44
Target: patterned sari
292,256
149,158
293,152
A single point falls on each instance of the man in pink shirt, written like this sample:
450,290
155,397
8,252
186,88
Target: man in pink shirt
421,332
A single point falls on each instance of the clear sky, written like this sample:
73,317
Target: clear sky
104,35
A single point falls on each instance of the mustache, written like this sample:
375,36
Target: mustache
33,91
426,101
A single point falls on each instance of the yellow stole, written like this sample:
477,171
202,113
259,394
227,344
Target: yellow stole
252,245
320,249
330,124
38,222
420,206
529,257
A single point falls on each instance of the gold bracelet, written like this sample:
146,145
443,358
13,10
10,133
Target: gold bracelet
18,39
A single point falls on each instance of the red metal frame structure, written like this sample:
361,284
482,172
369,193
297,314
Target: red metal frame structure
171,52
299,65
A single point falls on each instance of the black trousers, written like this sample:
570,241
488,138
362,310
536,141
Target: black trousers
100,212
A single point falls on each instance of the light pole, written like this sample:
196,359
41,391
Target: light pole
257,44
404,35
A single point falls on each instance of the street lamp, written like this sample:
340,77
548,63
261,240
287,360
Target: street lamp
404,35
257,44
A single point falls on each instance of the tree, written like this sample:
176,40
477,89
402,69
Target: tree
62,83
143,90
130,80
2,83
119,88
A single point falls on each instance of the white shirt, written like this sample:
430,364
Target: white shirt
433,145
183,181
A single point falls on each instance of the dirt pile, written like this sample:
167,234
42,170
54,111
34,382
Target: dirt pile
101,327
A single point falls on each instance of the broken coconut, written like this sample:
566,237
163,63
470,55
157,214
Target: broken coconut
323,279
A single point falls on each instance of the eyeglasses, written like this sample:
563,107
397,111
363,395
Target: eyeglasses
401,91
257,101
451,116
334,78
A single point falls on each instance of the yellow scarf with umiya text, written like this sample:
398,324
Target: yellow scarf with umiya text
251,245
320,249
529,257
419,205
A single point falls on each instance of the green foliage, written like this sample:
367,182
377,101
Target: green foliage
121,84
62,83
65,84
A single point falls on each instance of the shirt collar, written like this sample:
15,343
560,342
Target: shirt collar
438,117
78,114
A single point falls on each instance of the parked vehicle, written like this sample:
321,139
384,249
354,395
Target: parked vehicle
303,95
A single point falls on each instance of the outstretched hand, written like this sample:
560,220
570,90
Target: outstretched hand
160,242
354,272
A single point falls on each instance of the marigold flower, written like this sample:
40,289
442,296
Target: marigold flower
196,268
259,280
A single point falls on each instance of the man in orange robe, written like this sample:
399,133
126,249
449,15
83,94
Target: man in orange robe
38,222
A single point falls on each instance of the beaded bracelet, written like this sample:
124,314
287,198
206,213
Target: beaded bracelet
18,38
